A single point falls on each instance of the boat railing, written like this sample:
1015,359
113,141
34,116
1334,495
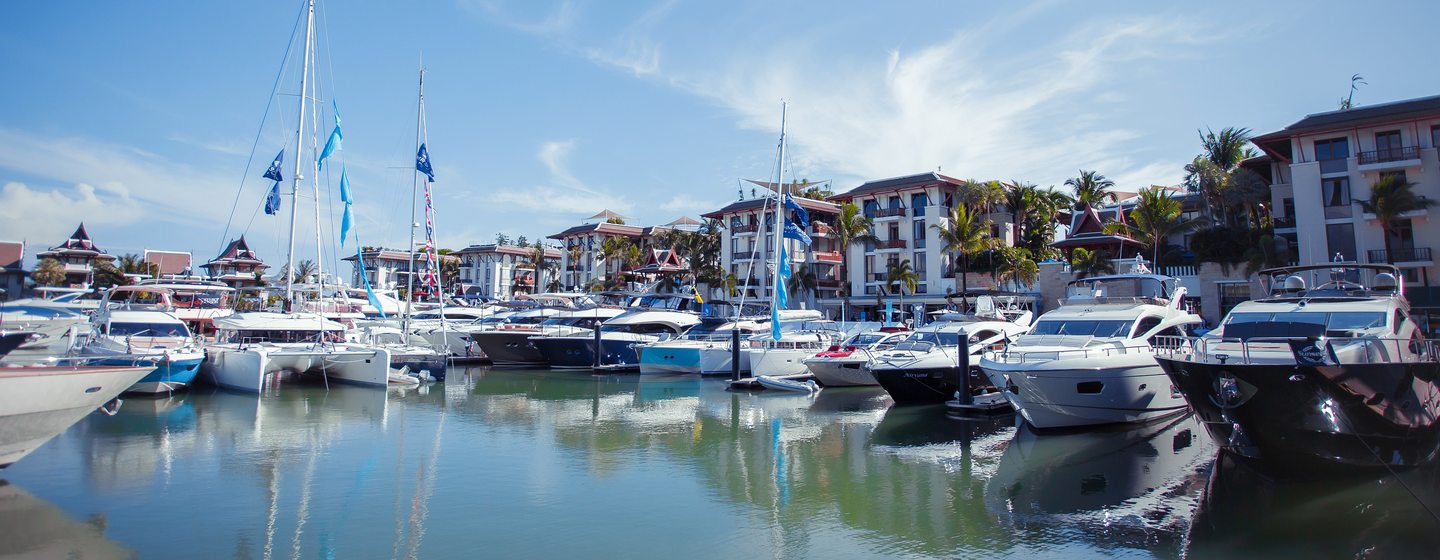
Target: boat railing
1019,355
82,361
1293,350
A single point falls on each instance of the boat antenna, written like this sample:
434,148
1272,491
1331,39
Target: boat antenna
289,302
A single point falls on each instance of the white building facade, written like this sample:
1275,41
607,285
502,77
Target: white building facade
747,248
502,271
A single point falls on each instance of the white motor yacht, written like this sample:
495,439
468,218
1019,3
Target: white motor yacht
254,348
804,336
196,302
53,331
652,318
706,348
135,323
936,362
1090,360
845,364
409,352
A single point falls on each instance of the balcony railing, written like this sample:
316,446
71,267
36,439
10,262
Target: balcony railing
877,276
1337,165
746,228
891,244
827,256
742,255
889,212
822,229
1284,221
827,283
1401,255
1401,153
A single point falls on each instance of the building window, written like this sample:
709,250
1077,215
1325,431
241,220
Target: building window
895,202
1340,238
894,232
1331,154
871,207
1399,175
1387,144
1435,136
1232,294
1336,191
919,231
918,263
918,202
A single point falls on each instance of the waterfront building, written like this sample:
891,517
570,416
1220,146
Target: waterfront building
903,210
582,249
237,266
12,269
502,271
387,269
747,248
78,255
1325,162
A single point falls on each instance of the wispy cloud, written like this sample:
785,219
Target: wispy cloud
554,22
564,192
635,49
46,215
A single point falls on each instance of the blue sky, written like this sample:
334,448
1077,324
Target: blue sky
138,117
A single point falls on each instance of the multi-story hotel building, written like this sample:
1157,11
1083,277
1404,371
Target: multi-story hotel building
502,271
747,248
1325,162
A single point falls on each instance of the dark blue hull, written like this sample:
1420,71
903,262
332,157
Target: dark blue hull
435,364
577,352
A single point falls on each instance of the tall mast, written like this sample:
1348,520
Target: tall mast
299,144
779,209
414,187
315,191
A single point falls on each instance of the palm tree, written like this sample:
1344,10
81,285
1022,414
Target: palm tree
1267,253
965,237
1390,197
1156,217
576,253
1016,267
1086,263
803,281
612,252
1210,173
729,282
449,272
542,265
305,269
105,274
901,273
48,273
851,228
1020,199
131,263
1091,189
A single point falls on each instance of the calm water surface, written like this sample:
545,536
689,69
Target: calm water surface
546,464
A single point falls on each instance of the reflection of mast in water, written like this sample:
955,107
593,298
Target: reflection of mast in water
422,500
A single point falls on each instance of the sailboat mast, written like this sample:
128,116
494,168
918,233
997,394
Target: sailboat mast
315,192
414,187
779,210
299,143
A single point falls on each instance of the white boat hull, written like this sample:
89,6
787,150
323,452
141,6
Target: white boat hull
841,372
249,368
1070,393
780,361
37,404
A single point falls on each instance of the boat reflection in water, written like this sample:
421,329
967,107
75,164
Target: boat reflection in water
144,437
1128,486
33,528
1247,514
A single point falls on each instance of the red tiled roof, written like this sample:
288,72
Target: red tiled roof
12,255
170,262
602,227
755,203
550,252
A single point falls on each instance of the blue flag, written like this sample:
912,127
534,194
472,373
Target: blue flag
272,200
369,292
345,197
333,143
345,188
782,298
273,173
422,163
801,216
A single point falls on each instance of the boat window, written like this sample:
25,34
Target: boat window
923,340
1399,320
865,339
1102,329
148,329
1337,321
981,336
1145,325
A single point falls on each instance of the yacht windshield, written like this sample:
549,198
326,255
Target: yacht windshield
865,339
926,340
1101,329
148,329
1335,321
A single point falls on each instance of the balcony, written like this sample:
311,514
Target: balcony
828,256
743,255
1337,165
884,213
890,244
1284,222
1389,158
1418,254
746,229
822,229
1341,211
1411,214
827,283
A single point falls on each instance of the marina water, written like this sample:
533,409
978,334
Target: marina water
549,464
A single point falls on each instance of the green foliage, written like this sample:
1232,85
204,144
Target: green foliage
104,275
1086,263
49,272
1222,245
1091,189
1390,197
852,227
1016,265
616,221
965,237
1156,217
903,274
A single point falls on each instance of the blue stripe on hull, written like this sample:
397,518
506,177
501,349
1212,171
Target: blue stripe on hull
177,372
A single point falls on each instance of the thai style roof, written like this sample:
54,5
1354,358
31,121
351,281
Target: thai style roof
78,243
811,205
237,252
898,183
662,260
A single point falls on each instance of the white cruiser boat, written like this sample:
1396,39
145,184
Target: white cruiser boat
1090,361
53,331
197,302
409,352
446,329
254,349
934,363
652,318
136,323
845,364
705,349
799,339
1334,377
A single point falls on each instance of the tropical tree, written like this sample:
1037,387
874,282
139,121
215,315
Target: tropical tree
852,227
131,263
502,239
1086,263
965,237
903,274
304,270
104,274
1020,199
449,271
612,253
1091,189
730,283
1390,197
522,241
1016,266
543,267
49,272
1267,253
1211,173
1156,217
802,282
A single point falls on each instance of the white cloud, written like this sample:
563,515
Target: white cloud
46,216
635,49
567,194
555,22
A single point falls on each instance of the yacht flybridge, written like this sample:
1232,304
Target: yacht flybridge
1090,360
1332,376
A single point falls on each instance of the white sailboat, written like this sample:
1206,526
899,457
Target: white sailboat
252,349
